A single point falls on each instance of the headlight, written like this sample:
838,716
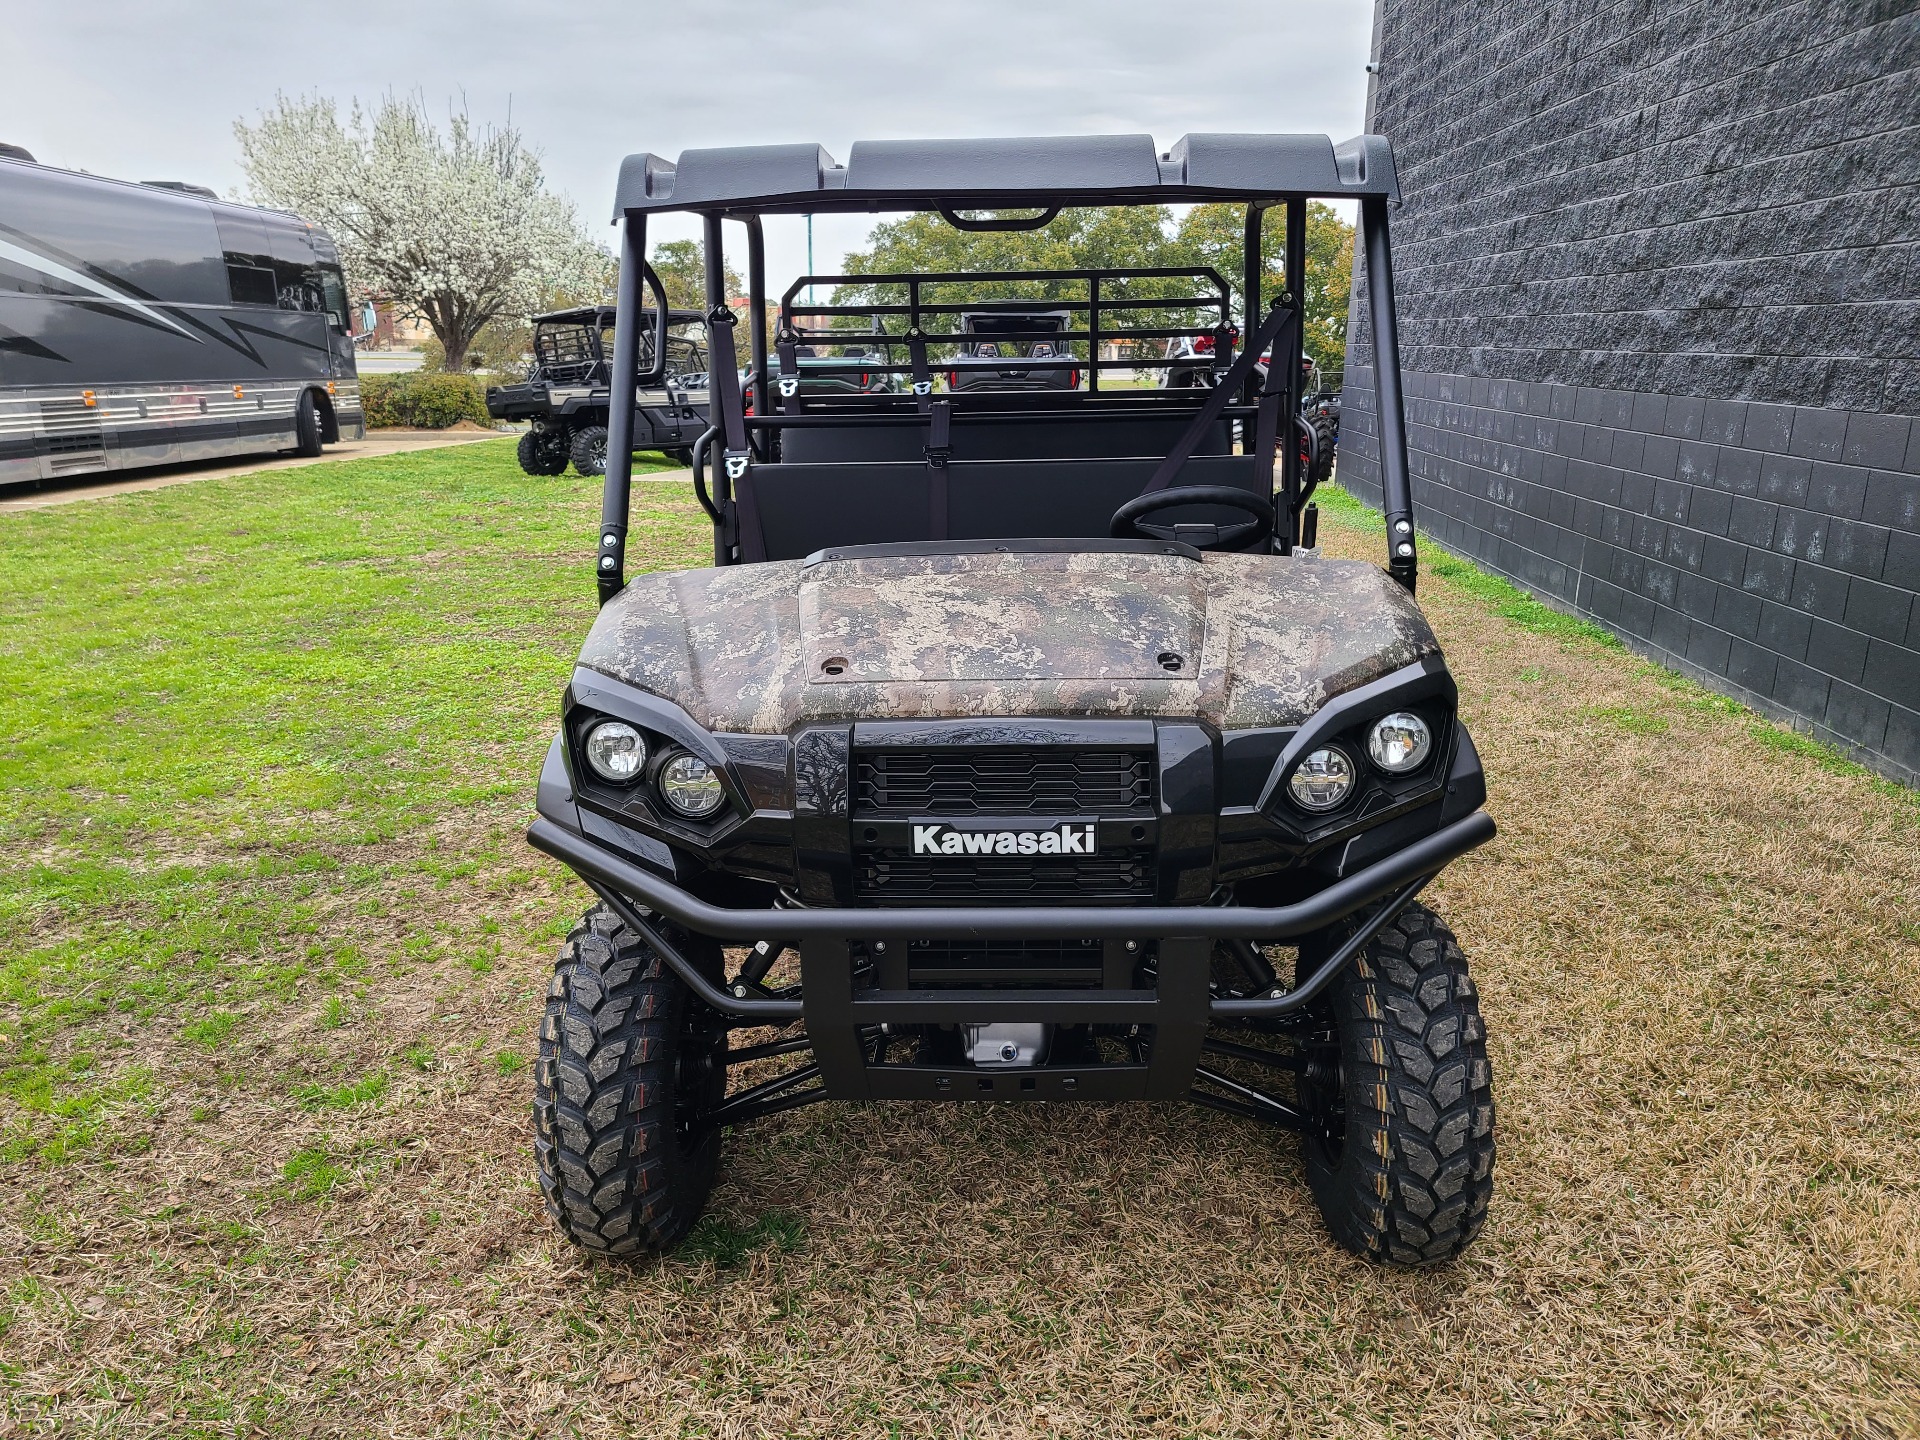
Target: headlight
1323,779
688,784
616,751
1399,743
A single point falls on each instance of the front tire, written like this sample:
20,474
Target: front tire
1399,1099
590,450
1323,449
631,1067
306,426
543,452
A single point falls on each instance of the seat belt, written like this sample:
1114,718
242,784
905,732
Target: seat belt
736,459
789,382
1279,318
922,381
1266,434
939,415
939,449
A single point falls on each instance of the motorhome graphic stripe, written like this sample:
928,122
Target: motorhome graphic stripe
28,260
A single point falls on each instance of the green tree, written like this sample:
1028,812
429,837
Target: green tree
1123,236
1216,235
1110,237
682,268
1107,238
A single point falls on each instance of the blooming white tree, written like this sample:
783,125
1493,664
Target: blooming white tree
455,230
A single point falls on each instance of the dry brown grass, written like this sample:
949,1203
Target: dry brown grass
1699,966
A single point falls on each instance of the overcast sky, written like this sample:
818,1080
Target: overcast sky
149,89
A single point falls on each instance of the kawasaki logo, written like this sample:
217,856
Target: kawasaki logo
1064,839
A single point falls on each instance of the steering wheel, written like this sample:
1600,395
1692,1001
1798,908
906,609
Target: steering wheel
1127,519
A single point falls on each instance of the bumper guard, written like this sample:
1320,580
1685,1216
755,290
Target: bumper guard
632,891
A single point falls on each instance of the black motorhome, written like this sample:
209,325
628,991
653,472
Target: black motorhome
142,324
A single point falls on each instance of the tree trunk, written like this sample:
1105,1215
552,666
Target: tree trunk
454,325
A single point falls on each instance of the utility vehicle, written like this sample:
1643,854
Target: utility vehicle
811,370
995,337
565,394
1014,747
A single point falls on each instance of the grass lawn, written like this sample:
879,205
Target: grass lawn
272,952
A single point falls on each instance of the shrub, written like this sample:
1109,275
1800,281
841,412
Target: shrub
423,400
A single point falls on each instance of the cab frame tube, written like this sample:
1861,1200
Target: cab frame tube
1389,409
616,494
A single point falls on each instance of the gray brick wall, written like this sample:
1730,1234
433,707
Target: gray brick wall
1658,271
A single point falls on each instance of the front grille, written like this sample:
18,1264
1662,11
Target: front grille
975,962
895,877
1031,780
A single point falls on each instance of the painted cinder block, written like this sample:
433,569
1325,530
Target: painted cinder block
1660,357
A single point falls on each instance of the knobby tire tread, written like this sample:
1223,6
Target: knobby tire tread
538,458
589,450
615,1176
1413,1175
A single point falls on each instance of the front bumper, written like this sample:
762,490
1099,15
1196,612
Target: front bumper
805,856
1178,1009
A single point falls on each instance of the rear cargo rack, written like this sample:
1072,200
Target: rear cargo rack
915,319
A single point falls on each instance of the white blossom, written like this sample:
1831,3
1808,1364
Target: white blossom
453,230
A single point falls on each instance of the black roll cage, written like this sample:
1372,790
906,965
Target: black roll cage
590,321
747,424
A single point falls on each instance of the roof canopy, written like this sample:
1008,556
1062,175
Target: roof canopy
1006,174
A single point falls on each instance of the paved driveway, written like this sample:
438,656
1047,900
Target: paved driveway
157,477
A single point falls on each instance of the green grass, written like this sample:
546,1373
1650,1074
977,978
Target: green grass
1634,722
311,1175
229,708
233,713
327,741
1510,602
728,1245
213,1031
364,1091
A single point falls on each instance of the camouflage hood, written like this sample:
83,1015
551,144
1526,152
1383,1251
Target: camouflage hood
1239,640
